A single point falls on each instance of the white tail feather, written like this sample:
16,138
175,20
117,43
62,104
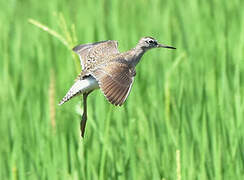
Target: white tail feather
80,87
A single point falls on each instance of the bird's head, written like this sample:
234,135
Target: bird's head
148,43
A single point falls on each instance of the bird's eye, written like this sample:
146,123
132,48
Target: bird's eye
151,41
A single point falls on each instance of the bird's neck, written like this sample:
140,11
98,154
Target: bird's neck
135,55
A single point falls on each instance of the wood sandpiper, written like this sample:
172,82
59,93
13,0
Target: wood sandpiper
104,67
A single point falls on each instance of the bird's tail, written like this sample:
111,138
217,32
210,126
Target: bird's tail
79,87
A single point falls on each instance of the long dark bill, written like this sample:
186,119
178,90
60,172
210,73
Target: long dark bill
165,46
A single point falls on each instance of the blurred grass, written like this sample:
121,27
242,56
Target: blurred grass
181,121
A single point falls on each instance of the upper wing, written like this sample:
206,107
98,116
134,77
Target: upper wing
115,80
95,52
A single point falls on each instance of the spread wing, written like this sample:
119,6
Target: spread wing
95,53
115,80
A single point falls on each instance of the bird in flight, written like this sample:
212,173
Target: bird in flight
104,67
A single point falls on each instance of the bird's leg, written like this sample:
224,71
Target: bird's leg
84,116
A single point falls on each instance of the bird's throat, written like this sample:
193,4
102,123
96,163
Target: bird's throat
136,55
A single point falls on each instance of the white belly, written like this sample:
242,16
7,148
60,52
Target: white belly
86,85
79,87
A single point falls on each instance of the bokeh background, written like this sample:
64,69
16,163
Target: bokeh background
182,120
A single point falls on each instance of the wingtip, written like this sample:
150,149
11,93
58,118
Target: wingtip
77,48
74,49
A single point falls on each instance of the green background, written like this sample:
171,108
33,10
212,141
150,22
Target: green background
182,120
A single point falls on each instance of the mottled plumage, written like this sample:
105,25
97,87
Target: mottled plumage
104,67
